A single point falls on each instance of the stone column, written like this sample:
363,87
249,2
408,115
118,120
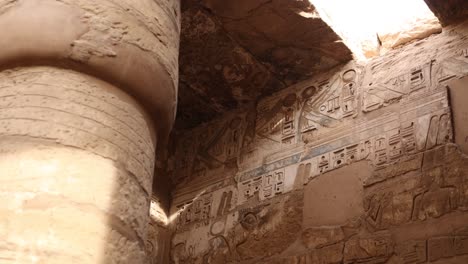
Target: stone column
81,82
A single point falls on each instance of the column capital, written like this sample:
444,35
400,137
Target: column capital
131,44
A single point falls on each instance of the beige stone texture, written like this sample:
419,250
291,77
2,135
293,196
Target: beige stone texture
131,43
458,94
158,243
234,52
359,164
449,11
420,28
76,159
337,198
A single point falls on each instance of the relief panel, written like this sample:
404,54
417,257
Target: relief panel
324,107
276,120
380,94
262,187
319,126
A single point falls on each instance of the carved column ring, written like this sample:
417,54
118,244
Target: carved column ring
111,40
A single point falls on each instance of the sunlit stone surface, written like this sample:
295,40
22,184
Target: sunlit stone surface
76,159
365,25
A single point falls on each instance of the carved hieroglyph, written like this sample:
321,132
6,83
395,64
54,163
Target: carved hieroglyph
393,114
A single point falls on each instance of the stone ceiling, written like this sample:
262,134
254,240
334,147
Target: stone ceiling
449,11
233,51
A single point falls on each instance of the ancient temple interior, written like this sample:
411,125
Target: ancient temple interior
234,131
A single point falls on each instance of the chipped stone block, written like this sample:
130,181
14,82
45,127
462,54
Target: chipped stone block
461,245
320,237
412,252
459,90
440,247
374,249
327,255
419,29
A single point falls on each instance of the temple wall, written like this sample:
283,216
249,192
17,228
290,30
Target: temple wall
357,165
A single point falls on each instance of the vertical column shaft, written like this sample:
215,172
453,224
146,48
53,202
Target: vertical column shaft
77,152
76,166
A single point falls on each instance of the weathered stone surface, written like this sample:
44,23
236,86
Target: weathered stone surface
461,243
76,161
420,25
332,254
367,148
412,252
119,41
412,163
319,237
217,74
337,198
288,35
458,91
449,11
368,249
277,227
440,247
234,51
158,241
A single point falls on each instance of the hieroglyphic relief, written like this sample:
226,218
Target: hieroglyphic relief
452,67
219,144
325,103
262,187
185,154
209,147
276,119
386,147
413,252
225,203
421,125
380,94
283,118
419,81
196,211
434,191
202,208
300,134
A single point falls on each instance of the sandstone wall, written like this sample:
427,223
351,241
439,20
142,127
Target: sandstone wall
357,165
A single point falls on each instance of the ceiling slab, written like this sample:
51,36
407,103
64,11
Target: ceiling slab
449,11
235,51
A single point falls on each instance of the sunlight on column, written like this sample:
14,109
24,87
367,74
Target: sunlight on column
44,218
175,215
157,213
